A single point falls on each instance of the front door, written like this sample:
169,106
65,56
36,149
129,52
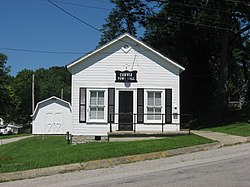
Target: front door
125,110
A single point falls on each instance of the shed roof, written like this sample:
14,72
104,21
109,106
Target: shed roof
126,35
46,100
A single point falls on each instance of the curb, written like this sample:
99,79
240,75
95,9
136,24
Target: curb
105,163
248,138
187,150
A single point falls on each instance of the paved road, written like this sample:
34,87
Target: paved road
228,166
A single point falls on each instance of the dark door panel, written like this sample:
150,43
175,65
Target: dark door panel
125,110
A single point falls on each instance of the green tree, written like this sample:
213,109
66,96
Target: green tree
206,37
51,82
171,32
124,17
22,88
6,93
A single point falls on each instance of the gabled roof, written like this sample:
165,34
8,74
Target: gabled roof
51,98
119,39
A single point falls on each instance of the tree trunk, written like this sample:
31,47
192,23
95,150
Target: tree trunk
226,53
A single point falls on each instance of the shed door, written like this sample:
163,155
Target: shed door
58,123
53,123
125,110
49,122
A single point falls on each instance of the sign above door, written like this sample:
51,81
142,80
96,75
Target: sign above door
126,76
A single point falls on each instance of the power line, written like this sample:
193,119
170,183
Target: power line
102,1
66,52
85,23
192,6
197,18
197,24
40,51
81,5
235,1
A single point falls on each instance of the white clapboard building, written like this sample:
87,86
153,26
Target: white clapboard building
52,116
124,85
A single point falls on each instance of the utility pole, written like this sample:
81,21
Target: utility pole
33,93
62,93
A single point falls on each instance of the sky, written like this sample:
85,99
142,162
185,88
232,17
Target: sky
40,26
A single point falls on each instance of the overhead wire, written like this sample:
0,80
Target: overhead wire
39,51
202,19
91,26
192,6
81,5
65,11
197,24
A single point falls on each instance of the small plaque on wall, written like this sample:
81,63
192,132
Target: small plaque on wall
126,76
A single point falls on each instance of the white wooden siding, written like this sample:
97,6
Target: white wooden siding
98,71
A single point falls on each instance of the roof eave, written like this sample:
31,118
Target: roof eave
69,66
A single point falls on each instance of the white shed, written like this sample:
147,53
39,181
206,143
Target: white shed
124,85
52,116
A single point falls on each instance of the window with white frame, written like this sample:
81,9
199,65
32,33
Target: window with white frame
96,105
154,105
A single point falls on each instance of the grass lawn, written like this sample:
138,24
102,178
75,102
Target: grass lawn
237,128
36,152
13,136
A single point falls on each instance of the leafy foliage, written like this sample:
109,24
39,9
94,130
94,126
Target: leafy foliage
123,18
52,82
22,88
6,93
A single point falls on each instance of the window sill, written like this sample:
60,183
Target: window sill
153,121
96,123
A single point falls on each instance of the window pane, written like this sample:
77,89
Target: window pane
151,98
157,99
100,113
93,111
157,111
93,98
150,112
100,98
